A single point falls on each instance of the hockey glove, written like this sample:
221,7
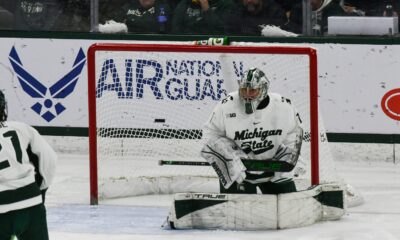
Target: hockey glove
285,154
289,151
225,157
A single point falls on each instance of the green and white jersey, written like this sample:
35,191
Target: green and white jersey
259,134
19,144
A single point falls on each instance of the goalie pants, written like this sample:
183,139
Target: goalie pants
27,224
265,188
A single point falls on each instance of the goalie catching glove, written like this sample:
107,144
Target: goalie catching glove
290,151
225,157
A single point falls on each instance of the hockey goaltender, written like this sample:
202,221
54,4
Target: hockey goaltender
253,125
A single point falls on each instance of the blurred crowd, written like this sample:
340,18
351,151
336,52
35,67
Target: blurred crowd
195,17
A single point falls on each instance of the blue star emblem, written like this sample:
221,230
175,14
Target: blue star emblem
48,104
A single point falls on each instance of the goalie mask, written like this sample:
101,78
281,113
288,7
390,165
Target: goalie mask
253,88
3,108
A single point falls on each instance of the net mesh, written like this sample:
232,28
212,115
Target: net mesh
151,106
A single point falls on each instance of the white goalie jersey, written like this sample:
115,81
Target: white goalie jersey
274,127
272,132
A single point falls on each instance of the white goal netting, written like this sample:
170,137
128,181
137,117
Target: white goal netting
151,104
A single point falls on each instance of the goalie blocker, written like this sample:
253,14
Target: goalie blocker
257,212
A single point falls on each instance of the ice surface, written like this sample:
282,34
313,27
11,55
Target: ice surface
71,217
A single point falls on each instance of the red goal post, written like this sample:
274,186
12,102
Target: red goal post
93,67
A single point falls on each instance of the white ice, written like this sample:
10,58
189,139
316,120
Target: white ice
71,217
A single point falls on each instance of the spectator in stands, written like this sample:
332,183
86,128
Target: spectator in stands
76,16
202,17
144,16
287,4
251,14
148,16
374,7
112,10
390,11
295,19
50,15
38,15
6,19
321,10
351,9
173,4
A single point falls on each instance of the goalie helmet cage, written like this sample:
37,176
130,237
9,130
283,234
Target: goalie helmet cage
102,59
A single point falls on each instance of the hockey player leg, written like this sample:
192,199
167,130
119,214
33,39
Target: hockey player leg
37,229
6,226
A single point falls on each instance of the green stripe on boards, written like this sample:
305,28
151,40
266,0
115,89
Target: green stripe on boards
184,207
197,133
20,194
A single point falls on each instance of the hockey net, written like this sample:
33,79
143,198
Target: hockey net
149,103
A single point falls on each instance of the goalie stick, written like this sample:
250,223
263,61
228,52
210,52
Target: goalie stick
251,164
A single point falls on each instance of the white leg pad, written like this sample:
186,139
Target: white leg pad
303,208
256,212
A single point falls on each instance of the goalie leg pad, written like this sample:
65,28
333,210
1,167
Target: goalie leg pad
303,208
223,211
255,211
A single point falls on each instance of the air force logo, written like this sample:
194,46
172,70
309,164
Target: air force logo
49,105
